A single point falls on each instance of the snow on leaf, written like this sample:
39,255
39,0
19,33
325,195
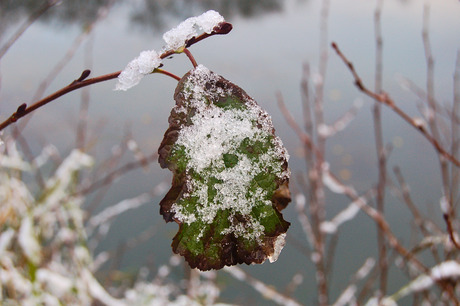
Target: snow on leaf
230,175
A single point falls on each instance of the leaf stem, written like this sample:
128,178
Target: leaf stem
172,75
190,57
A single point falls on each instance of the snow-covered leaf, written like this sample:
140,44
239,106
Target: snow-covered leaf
230,175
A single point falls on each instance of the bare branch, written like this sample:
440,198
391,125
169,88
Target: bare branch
32,18
222,28
385,99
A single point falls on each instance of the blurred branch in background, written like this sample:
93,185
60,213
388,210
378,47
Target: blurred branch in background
32,18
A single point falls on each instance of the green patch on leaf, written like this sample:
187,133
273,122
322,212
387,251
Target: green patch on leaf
230,102
230,160
230,175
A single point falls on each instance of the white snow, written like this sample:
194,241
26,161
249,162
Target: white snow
366,268
347,297
178,36
63,176
28,241
444,204
5,240
331,183
115,210
175,39
217,131
97,291
13,159
383,302
445,270
55,283
419,122
142,65
345,215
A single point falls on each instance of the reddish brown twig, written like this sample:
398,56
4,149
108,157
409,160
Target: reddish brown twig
190,57
385,99
450,230
23,109
352,195
172,75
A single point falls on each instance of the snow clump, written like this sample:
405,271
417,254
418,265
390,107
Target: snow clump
178,36
142,65
175,39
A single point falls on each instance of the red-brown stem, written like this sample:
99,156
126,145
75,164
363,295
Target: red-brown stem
385,99
351,194
190,57
23,110
172,75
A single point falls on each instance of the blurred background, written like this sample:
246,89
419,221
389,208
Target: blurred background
265,54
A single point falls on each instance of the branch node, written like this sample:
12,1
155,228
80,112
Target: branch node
222,28
82,77
21,109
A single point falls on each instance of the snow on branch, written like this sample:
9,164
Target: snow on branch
176,40
447,270
345,215
178,36
142,65
340,124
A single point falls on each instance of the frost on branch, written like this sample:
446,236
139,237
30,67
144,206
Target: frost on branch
230,175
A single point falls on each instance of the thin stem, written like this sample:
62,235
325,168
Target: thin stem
385,99
32,18
352,195
23,109
380,148
317,206
190,57
84,104
455,133
433,124
172,75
